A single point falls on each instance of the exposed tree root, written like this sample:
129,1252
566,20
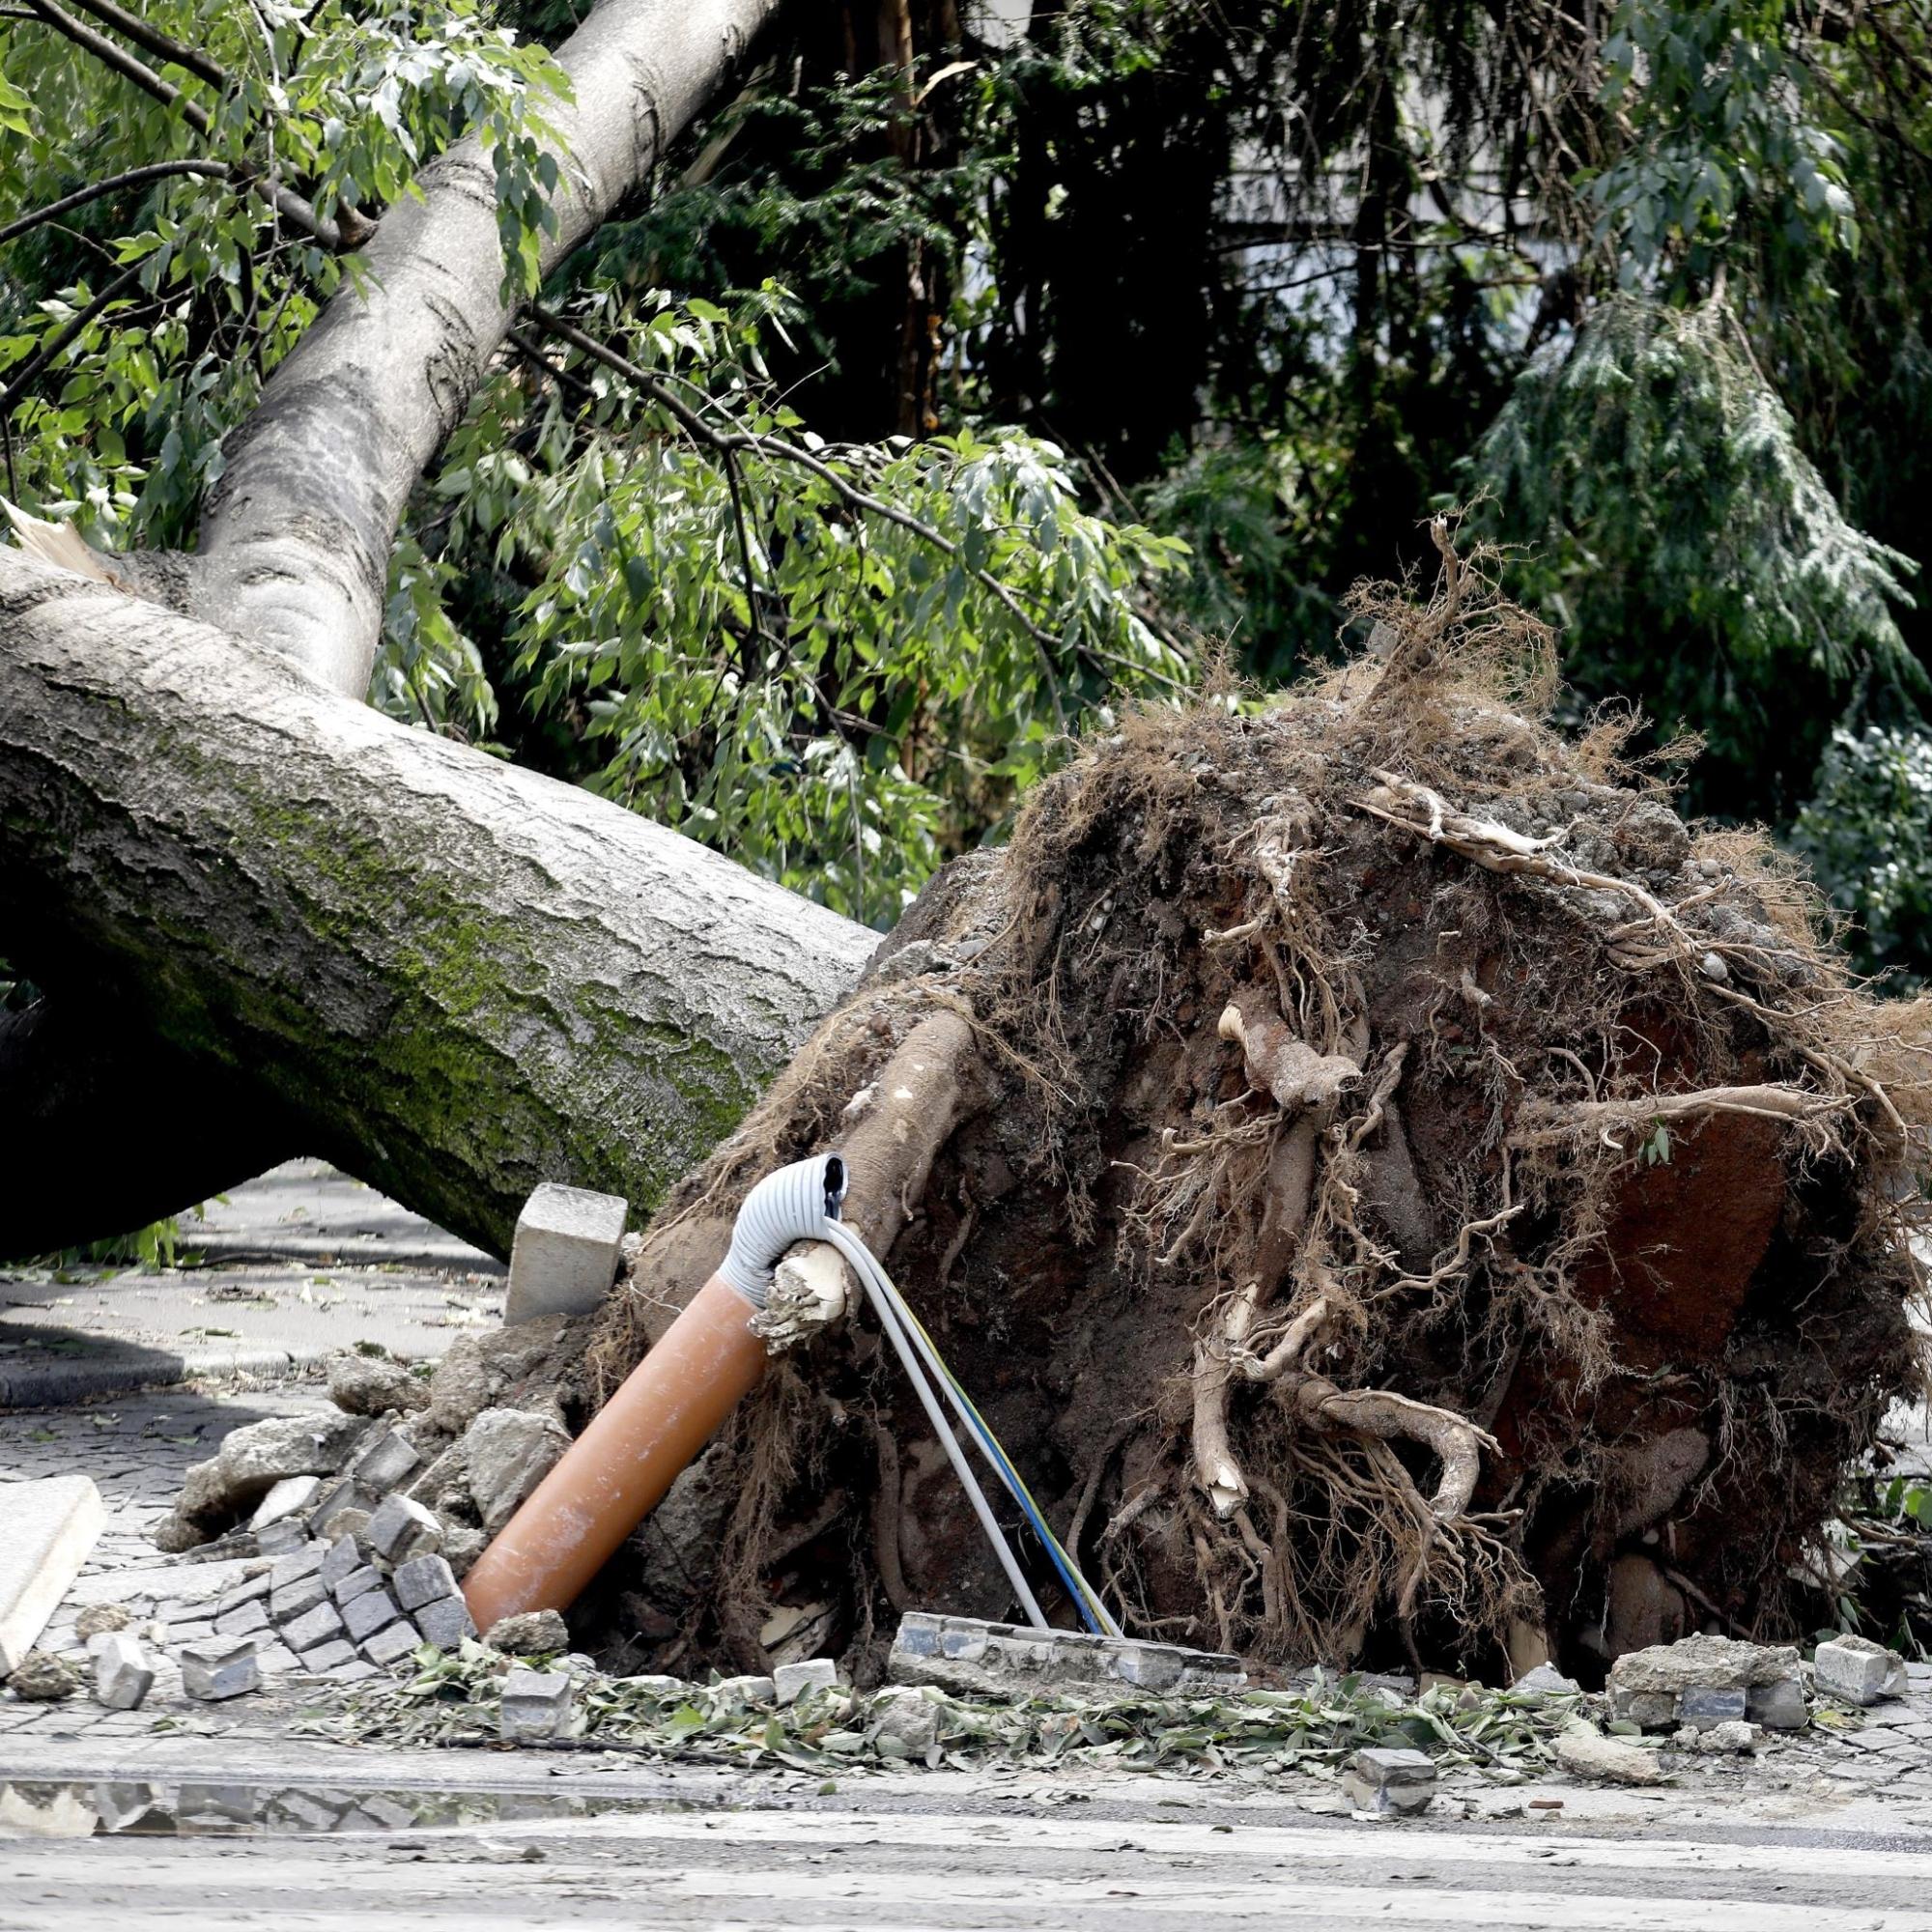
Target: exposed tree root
1270,1139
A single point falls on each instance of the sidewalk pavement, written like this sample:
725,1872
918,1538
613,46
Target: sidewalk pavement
291,1268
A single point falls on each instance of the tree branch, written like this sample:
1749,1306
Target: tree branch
295,541
112,185
156,42
348,231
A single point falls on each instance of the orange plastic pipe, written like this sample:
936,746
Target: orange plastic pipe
617,1471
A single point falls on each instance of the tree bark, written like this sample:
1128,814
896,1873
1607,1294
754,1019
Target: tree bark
295,541
454,977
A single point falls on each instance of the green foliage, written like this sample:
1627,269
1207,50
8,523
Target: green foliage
751,643
1867,832
337,103
1725,133
1684,541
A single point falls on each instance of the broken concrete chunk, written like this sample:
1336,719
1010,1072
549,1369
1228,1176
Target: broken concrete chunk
565,1254
1732,1735
1545,1681
371,1385
1585,1754
400,1530
51,1529
529,1634
907,1716
481,1369
42,1678
422,1579
536,1706
123,1676
1715,1662
1858,1670
507,1452
220,1666
290,1496
99,1619
253,1459
461,1545
973,1659
444,1620
792,1681
1389,1780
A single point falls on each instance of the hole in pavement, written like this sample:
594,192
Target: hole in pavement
186,1808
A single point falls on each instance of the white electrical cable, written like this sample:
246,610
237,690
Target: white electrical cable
800,1202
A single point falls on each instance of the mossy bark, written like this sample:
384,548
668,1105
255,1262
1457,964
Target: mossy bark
454,977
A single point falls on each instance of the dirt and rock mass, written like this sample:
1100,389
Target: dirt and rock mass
1401,1196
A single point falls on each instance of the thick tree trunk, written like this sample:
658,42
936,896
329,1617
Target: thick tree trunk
453,976
294,544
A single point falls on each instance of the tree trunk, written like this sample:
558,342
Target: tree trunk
294,543
454,977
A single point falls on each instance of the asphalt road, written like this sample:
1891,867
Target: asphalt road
921,1853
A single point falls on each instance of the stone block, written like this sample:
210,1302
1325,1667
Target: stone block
328,1658
565,1254
335,1495
1702,1707
358,1583
248,1619
1389,1780
1650,1710
319,1626
52,1525
293,1495
341,1558
295,1600
536,1706
297,1565
444,1620
221,1666
1779,1706
279,1539
364,1616
745,1690
424,1580
400,1530
392,1643
387,1461
251,1590
792,1681
1858,1671
123,1676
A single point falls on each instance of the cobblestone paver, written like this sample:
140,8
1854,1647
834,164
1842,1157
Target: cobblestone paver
137,1450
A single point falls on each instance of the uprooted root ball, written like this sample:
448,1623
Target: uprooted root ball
1395,1189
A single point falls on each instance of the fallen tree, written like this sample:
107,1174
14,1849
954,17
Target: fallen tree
1397,1191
